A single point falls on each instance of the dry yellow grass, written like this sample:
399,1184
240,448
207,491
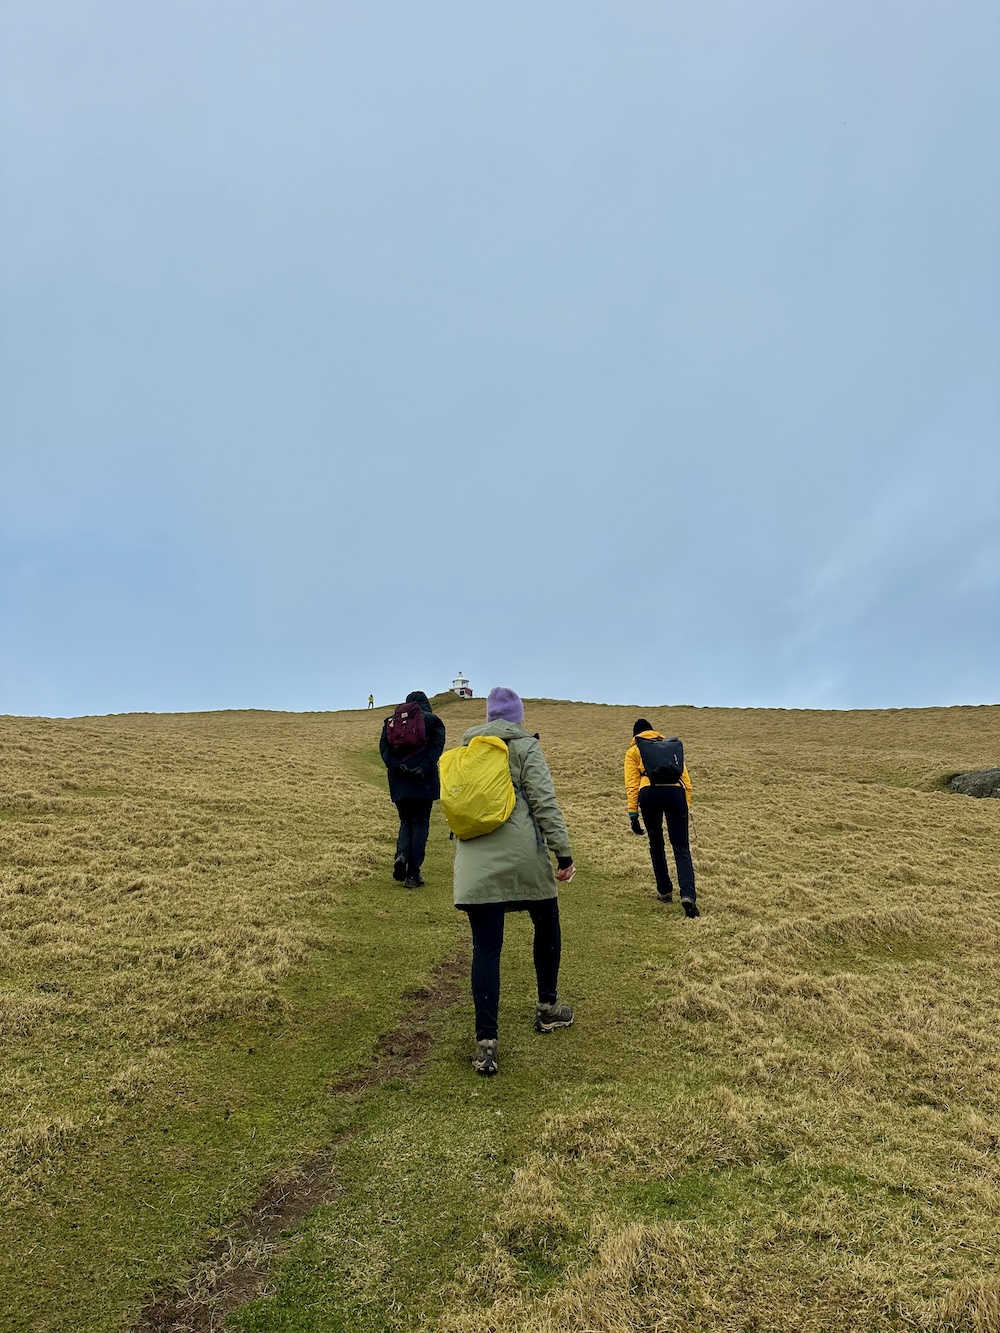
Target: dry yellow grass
158,874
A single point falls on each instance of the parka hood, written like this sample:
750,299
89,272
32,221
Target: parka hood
418,697
507,731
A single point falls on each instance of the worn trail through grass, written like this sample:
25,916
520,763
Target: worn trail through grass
782,1114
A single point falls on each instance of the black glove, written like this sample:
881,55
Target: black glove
637,828
563,862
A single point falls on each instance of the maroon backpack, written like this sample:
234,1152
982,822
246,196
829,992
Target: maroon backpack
405,730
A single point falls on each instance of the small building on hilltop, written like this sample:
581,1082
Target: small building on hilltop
461,687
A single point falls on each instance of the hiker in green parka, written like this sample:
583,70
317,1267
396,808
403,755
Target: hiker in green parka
510,870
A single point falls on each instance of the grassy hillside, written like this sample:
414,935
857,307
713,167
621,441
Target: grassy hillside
783,1114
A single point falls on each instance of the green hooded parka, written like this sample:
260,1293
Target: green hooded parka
511,864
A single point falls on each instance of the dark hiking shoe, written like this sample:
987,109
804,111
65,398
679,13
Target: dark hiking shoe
485,1059
548,1017
399,869
690,907
414,881
664,897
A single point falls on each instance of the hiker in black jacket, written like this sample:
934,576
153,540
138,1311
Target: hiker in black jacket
414,786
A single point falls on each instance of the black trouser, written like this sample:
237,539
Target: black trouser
414,826
487,920
670,803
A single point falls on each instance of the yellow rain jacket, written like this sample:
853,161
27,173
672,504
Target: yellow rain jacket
635,774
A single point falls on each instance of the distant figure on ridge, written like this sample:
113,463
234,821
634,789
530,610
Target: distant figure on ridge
410,745
657,783
371,701
498,797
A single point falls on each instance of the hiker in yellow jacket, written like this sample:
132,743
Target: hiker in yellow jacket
658,802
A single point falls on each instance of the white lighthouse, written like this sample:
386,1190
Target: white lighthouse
461,687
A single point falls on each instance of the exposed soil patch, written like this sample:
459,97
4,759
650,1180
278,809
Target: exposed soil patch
236,1268
401,1052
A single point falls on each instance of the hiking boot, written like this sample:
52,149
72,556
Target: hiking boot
664,897
690,907
399,869
485,1059
548,1017
414,881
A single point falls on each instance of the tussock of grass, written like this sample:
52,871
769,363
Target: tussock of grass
532,1221
972,1307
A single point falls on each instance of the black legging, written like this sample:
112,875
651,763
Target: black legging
670,803
414,825
487,921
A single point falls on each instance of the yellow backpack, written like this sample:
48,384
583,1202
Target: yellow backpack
477,794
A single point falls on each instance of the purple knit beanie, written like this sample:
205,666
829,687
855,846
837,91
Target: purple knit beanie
504,703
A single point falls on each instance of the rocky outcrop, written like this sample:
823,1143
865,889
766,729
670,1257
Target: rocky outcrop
984,782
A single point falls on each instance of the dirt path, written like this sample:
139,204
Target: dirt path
236,1267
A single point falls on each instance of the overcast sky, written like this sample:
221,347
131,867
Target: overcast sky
633,352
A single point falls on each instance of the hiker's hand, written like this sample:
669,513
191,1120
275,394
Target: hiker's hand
637,828
566,869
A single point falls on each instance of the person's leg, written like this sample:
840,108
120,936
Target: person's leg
676,811
486,921
547,948
550,1011
405,836
420,825
651,809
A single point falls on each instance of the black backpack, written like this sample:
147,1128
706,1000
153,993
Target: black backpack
662,759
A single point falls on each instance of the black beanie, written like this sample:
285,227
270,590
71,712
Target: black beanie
642,725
